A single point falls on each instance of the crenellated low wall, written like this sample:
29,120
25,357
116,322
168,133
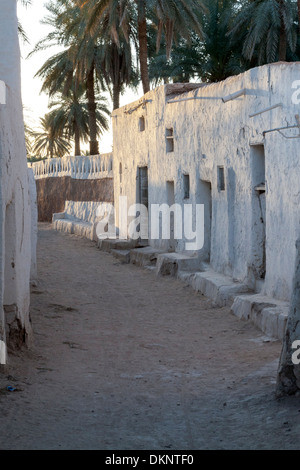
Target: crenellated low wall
72,179
94,167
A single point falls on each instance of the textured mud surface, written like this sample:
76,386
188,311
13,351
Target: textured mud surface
124,360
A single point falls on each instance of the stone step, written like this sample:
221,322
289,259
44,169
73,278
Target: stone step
122,255
173,263
268,314
109,244
219,288
146,256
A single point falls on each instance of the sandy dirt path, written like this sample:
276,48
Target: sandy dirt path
124,360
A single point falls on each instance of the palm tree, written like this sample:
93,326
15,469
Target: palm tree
185,63
78,62
116,63
83,52
210,58
69,116
268,29
85,61
116,70
104,54
172,15
57,73
21,30
47,142
221,56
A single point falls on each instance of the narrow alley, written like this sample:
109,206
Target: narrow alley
125,360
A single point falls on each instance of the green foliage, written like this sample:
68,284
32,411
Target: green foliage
185,63
21,31
210,57
133,20
47,142
267,29
108,45
69,113
75,68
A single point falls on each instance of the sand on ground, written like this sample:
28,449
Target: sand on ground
124,360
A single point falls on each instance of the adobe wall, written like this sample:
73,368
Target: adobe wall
52,193
213,128
15,200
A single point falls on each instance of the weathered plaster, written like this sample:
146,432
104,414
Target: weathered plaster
210,132
15,202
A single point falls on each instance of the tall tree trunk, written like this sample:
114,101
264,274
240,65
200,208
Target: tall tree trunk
116,95
298,5
282,45
94,147
282,38
143,51
77,140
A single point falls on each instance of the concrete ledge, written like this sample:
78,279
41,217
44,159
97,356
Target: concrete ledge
268,314
218,287
79,218
76,227
146,256
110,244
169,264
122,255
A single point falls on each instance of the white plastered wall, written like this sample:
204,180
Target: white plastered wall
210,133
15,204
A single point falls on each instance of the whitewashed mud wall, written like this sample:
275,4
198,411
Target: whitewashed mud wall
90,167
15,203
85,179
34,225
250,229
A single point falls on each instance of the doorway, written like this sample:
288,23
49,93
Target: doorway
143,186
143,199
205,197
171,202
257,158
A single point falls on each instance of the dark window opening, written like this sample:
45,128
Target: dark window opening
221,178
170,140
141,124
120,172
186,186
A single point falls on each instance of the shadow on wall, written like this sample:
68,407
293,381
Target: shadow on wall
52,193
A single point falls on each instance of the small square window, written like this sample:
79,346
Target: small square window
221,178
141,124
120,172
186,186
170,140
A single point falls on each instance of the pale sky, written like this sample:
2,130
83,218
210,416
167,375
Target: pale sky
35,104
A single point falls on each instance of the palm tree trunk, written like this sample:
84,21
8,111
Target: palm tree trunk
77,140
282,37
94,147
282,43
116,95
143,52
